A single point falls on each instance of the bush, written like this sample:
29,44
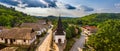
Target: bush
69,44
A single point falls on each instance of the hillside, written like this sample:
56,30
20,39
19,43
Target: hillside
107,37
95,19
9,17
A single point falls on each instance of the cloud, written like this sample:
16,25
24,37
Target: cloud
107,10
31,3
62,8
85,8
37,11
117,5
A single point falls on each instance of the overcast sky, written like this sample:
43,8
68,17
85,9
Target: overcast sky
94,3
76,8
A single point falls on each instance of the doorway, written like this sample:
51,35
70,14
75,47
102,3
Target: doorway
6,41
59,41
11,41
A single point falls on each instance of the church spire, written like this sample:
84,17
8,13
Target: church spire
59,23
59,27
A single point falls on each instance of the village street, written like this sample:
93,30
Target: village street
79,44
45,45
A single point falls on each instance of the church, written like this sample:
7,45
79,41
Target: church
59,33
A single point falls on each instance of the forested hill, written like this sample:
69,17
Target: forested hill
95,19
9,17
92,19
107,37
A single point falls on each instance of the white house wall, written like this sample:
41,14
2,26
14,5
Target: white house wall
39,32
18,42
32,40
21,42
57,37
86,31
2,40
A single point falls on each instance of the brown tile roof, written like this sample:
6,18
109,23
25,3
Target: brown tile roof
90,28
1,27
31,25
18,33
41,21
35,26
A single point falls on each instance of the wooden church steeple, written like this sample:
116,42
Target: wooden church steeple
59,29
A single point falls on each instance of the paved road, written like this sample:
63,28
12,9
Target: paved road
45,45
79,43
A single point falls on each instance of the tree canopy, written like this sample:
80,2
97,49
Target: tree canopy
107,38
9,17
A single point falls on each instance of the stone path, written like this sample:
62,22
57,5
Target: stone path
45,45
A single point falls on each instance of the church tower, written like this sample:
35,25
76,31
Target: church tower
59,34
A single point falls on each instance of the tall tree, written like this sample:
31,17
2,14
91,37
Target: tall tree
107,38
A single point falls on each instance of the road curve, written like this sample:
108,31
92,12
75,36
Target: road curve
79,44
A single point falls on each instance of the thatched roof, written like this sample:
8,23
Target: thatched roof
18,33
35,26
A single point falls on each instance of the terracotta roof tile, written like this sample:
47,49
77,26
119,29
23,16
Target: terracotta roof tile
90,28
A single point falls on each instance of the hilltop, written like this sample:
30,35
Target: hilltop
10,18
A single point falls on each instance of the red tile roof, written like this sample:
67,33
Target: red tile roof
90,28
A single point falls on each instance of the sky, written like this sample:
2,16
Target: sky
69,8
94,3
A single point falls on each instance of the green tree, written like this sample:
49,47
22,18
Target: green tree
107,38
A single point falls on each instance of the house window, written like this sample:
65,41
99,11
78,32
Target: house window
24,40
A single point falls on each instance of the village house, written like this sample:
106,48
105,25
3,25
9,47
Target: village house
88,30
17,36
40,27
1,28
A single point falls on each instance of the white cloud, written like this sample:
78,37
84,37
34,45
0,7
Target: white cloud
44,2
107,10
22,5
117,5
6,5
15,0
37,11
